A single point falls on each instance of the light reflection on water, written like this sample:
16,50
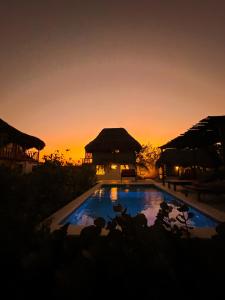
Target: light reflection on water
114,193
137,199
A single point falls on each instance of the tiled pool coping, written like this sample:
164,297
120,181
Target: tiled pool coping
56,218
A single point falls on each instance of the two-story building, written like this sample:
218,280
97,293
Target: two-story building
112,151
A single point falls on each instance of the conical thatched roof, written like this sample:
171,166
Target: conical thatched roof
111,139
185,157
9,134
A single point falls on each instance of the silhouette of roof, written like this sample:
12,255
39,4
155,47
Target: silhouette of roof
9,134
206,132
111,139
207,158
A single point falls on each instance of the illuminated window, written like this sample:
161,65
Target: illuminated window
88,158
124,167
100,170
113,167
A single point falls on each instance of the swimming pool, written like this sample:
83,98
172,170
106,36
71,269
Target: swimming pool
144,199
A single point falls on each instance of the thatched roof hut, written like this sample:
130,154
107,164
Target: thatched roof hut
9,134
186,158
113,139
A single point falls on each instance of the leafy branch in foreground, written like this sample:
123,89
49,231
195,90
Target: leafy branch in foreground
170,223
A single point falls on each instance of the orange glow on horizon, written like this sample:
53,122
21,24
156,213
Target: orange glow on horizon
77,152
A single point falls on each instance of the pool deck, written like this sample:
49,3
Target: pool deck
191,200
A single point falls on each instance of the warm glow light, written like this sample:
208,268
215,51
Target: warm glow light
114,194
100,170
176,168
124,167
113,167
101,192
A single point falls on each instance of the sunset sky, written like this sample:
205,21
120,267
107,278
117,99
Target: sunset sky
70,68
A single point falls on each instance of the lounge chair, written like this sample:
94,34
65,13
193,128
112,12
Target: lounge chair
128,173
176,182
214,188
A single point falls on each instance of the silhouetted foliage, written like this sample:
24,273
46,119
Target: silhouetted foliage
129,257
28,199
179,225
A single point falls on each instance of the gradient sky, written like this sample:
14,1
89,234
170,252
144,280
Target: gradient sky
70,68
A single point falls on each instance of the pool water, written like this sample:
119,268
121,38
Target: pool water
137,199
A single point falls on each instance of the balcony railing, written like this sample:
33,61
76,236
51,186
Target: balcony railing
87,160
18,155
33,154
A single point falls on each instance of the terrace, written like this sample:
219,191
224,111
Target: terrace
18,148
193,163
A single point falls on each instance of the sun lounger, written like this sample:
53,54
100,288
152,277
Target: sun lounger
128,173
176,182
214,188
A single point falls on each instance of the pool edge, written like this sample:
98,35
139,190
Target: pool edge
56,219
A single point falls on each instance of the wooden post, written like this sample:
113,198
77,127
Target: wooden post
220,127
222,135
163,175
